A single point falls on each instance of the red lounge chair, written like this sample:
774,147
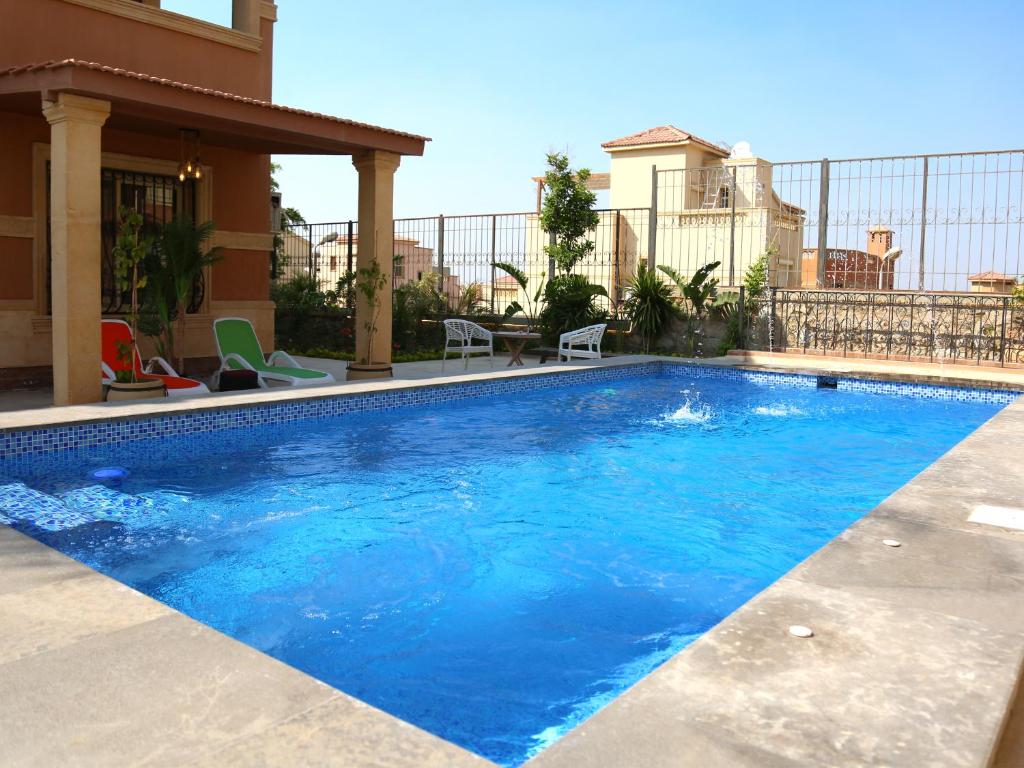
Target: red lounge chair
118,331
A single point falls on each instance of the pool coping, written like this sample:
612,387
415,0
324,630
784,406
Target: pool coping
681,714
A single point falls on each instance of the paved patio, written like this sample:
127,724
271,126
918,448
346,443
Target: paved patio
28,399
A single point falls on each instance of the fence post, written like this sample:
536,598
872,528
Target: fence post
616,275
652,223
732,231
924,222
1002,332
442,283
771,319
822,222
494,257
741,319
350,231
309,243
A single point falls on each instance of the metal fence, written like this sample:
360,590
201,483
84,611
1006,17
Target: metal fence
917,222
461,251
913,256
932,327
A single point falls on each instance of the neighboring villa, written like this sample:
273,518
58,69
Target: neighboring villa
693,212
870,270
102,103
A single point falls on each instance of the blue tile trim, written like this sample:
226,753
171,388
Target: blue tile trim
75,437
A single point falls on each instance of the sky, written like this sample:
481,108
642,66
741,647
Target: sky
499,85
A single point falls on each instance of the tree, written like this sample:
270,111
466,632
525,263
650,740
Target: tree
568,213
290,217
130,250
184,254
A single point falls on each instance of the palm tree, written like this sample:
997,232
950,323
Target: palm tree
184,255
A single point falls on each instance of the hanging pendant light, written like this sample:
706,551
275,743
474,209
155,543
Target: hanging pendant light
189,165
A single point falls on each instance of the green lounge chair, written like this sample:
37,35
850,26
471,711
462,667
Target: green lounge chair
239,348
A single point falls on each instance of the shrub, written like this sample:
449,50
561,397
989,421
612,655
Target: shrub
569,305
648,305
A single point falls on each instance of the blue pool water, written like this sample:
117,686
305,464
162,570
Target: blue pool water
495,569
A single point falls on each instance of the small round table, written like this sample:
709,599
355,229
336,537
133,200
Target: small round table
514,342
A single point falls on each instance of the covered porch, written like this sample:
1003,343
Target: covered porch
93,113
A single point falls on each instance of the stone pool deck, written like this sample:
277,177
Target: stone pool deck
915,658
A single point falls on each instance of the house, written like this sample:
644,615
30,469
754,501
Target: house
710,203
872,269
109,102
332,260
992,282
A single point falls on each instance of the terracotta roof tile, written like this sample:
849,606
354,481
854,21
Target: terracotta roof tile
79,64
662,134
994,276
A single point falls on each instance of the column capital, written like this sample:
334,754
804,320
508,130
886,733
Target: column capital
376,159
79,109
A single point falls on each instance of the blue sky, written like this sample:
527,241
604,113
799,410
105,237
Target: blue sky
498,85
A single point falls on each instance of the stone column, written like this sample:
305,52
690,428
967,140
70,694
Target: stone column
376,242
76,123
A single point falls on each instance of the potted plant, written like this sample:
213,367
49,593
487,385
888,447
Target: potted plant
130,249
370,281
184,255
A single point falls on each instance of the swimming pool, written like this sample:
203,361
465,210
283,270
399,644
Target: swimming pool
492,569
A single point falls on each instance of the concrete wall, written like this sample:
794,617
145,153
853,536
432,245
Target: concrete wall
140,39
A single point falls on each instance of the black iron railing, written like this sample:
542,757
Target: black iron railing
935,327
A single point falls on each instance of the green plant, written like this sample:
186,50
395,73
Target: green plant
648,305
183,250
303,293
700,291
290,217
532,304
370,281
569,305
755,281
130,250
470,301
412,303
567,214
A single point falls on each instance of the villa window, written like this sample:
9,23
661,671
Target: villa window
723,196
158,198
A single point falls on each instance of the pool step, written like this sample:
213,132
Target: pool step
94,503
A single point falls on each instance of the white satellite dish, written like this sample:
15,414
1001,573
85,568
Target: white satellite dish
741,149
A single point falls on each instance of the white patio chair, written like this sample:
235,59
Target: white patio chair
459,336
590,337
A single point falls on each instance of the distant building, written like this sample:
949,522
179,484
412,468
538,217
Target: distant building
873,269
991,282
412,262
706,186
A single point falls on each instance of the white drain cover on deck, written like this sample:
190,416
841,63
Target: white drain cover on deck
1004,517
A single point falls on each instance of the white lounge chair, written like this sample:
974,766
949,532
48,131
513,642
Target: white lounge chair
590,337
459,336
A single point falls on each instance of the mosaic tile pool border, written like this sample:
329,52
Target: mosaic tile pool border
86,435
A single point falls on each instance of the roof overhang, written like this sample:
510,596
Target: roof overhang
156,106
666,145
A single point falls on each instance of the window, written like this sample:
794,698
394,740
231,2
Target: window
158,198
